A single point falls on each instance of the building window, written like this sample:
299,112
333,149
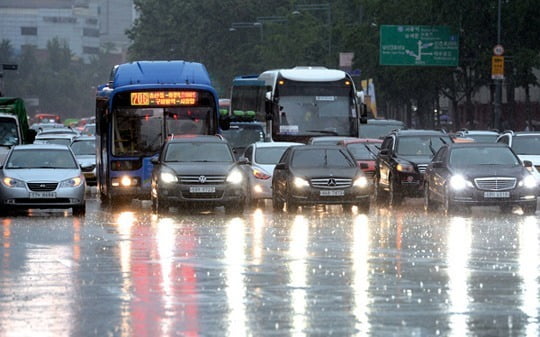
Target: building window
91,32
90,50
29,31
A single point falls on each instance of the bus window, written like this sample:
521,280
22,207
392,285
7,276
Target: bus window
137,131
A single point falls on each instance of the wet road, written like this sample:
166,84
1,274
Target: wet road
315,273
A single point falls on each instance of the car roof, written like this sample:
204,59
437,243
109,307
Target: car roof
361,140
55,135
477,132
197,139
41,147
319,147
419,132
276,144
385,121
474,145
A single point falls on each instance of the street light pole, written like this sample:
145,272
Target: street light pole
247,25
498,81
317,7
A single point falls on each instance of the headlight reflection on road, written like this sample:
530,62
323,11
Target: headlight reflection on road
298,241
165,242
360,258
258,228
125,222
528,270
458,255
235,261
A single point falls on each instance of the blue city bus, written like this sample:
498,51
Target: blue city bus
144,104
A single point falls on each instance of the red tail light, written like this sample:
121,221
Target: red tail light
259,174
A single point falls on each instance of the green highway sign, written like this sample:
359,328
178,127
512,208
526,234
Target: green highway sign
403,45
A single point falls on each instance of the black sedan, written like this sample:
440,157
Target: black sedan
319,174
196,171
473,174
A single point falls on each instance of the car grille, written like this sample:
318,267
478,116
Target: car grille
422,168
202,179
200,196
495,184
331,182
42,187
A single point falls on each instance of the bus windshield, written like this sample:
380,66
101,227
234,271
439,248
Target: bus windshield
140,132
316,108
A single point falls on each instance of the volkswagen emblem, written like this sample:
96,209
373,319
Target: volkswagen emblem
202,179
42,185
331,182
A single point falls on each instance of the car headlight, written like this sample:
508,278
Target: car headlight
529,182
300,182
405,167
12,182
361,182
235,176
168,177
458,183
72,182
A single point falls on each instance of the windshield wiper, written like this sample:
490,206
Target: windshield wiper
324,131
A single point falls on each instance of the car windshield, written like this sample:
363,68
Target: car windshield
474,156
198,152
421,145
243,136
41,158
526,145
84,147
378,130
321,158
363,151
269,155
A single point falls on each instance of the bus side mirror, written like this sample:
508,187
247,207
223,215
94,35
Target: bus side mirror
363,113
224,122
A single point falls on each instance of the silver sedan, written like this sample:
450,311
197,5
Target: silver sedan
44,176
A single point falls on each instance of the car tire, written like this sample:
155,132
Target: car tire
429,204
290,206
79,210
363,207
235,208
162,206
529,209
277,202
449,206
378,192
395,197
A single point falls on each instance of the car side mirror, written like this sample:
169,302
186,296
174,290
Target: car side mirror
527,163
243,161
437,164
384,152
281,166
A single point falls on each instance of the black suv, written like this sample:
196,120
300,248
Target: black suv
197,171
402,161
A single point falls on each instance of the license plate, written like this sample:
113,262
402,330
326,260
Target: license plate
38,195
202,189
496,194
331,193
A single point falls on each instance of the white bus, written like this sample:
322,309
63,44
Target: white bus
306,102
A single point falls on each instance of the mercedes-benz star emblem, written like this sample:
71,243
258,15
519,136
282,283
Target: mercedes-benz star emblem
331,182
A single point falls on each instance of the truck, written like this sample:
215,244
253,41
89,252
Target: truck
14,129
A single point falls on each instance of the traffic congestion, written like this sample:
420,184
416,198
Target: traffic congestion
290,168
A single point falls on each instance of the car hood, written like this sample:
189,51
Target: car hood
198,168
42,174
350,172
416,159
492,171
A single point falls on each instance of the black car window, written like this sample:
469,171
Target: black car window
526,145
420,145
269,155
321,158
362,151
198,152
472,156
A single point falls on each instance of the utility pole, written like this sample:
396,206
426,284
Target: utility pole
498,81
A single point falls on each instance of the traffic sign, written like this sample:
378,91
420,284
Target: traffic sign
403,45
497,67
10,66
498,50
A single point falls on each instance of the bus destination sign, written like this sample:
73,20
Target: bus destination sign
164,98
